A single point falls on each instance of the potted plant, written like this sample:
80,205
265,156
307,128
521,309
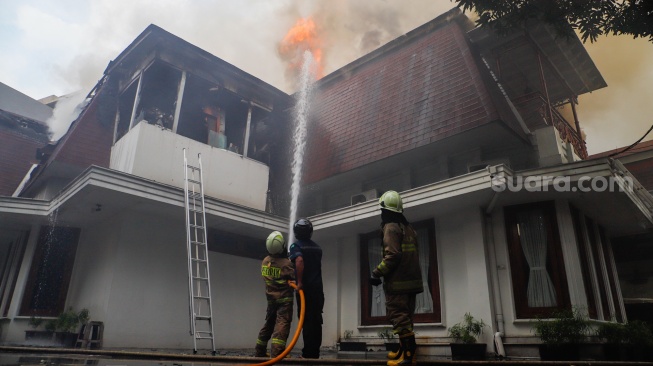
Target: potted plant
388,336
615,340
36,335
465,335
639,341
347,345
65,326
562,335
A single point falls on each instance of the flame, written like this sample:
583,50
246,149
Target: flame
301,37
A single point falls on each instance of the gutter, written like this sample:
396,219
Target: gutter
495,291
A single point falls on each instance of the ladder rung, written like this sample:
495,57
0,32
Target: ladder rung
192,167
195,210
201,278
202,317
202,297
197,226
195,181
199,260
197,242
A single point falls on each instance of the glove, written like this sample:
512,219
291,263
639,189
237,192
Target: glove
374,281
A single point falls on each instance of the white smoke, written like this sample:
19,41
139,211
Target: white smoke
65,112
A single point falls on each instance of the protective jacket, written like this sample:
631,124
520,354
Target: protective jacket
400,267
276,272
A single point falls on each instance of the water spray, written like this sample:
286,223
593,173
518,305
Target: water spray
306,79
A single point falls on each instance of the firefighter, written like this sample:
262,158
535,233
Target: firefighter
276,270
402,276
307,257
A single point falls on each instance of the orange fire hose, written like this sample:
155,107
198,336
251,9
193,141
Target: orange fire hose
295,337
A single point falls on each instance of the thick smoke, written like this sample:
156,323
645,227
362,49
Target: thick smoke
247,34
65,112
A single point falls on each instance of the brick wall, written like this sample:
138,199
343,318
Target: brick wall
413,94
17,154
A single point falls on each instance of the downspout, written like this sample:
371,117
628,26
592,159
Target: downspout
496,289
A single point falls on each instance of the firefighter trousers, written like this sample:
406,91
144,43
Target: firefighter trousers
277,326
400,309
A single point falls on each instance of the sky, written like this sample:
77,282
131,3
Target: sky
57,47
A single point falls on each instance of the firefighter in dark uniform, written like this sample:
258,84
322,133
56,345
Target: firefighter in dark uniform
402,277
307,257
276,270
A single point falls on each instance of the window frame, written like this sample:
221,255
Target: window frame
37,262
432,280
555,262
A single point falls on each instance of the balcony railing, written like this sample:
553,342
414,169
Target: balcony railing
537,113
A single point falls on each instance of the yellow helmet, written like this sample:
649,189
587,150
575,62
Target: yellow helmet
391,200
275,243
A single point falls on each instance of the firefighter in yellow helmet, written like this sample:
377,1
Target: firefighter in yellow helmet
276,270
402,277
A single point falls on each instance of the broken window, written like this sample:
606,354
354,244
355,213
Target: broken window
155,102
213,115
209,113
158,95
125,106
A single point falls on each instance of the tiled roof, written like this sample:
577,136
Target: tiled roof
416,90
19,139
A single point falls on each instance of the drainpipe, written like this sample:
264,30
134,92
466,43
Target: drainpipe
494,274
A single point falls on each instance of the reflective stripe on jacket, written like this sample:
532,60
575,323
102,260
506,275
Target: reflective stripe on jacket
276,272
400,267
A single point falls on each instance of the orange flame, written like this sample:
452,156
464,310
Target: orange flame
301,37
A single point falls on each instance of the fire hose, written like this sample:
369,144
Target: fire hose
296,336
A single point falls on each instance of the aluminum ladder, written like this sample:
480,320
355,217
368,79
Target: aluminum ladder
199,284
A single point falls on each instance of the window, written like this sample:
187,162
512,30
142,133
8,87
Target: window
427,308
598,268
12,248
612,274
585,263
49,277
536,263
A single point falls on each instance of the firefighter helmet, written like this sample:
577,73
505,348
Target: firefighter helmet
303,229
391,200
275,243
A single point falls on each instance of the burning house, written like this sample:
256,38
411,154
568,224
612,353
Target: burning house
448,115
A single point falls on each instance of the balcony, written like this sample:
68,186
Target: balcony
537,113
156,153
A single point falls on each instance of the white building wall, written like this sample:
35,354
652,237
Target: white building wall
464,282
463,272
132,274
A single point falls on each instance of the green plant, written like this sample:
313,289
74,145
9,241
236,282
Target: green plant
639,333
468,330
51,325
613,333
68,321
35,321
564,327
348,334
386,334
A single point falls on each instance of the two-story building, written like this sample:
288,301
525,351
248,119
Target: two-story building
467,126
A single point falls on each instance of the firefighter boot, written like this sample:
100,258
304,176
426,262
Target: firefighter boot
277,349
261,350
392,355
407,356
